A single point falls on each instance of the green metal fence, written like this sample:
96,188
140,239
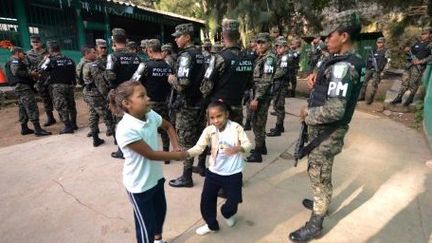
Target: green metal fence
427,82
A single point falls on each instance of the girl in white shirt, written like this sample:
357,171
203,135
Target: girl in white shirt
137,137
228,143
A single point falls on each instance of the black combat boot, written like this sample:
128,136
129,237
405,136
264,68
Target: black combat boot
51,120
255,156
117,154
183,181
39,131
311,230
67,129
25,130
397,100
90,133
200,168
409,100
109,132
261,150
281,128
308,204
247,126
96,140
275,132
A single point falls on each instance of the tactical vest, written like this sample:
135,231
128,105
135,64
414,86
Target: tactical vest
126,63
232,83
380,59
421,50
318,96
285,61
156,80
63,70
14,80
192,94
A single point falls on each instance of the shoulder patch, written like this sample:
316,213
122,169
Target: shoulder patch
340,70
15,61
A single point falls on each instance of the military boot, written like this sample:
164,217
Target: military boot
409,100
275,132
255,156
39,131
200,168
397,100
67,129
90,133
109,132
183,181
117,154
51,120
311,230
261,150
96,140
308,204
25,130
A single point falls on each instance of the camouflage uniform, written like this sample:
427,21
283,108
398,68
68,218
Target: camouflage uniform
380,57
141,54
293,70
264,69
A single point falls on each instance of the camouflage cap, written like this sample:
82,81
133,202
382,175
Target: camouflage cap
152,43
167,47
381,39
280,38
281,42
144,43
263,37
15,49
183,29
340,20
230,25
131,45
35,38
118,32
101,42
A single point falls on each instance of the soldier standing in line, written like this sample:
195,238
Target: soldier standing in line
61,70
167,53
315,52
34,57
330,109
187,81
153,74
228,75
293,69
143,52
265,67
19,75
376,63
206,51
279,87
120,67
418,57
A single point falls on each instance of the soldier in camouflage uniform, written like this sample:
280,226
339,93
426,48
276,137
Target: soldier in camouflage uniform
153,74
293,69
247,96
61,71
279,87
167,53
331,106
315,52
19,75
121,65
187,81
265,67
143,52
376,62
418,56
34,57
206,51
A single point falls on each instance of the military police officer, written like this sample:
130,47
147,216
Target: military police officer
121,65
331,106
61,70
280,85
418,57
19,75
265,67
293,69
34,57
187,81
153,74
143,52
376,62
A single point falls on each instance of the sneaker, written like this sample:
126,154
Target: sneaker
231,221
203,230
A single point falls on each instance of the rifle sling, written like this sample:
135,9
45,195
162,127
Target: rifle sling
317,141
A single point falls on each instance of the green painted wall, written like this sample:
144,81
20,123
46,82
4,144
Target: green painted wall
427,81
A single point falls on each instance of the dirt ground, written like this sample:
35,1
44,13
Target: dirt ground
10,127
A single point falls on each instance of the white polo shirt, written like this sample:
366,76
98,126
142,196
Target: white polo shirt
139,173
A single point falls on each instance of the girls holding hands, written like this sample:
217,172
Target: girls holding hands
229,143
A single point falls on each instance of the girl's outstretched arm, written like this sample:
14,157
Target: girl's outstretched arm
144,149
168,127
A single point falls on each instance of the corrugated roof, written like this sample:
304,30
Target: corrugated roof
127,3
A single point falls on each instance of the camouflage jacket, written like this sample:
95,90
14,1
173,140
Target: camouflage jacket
265,67
79,71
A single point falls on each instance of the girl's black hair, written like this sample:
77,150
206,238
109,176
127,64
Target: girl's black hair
220,104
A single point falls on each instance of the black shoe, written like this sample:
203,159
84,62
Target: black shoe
409,100
182,181
247,126
308,204
199,170
281,128
67,129
39,131
255,157
396,100
311,230
74,126
275,132
262,151
167,162
369,101
117,155
25,130
96,140
51,120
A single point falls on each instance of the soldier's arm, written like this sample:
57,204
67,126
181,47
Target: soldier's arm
184,74
339,92
140,73
86,74
79,73
99,81
263,85
281,70
216,66
110,74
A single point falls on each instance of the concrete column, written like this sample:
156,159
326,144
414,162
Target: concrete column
80,28
23,27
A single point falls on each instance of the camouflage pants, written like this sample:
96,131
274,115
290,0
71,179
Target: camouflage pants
162,110
248,113
46,96
413,79
259,121
320,163
98,107
376,79
190,124
64,102
292,81
279,104
28,109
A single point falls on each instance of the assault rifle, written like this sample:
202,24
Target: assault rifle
171,102
374,62
411,58
303,138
